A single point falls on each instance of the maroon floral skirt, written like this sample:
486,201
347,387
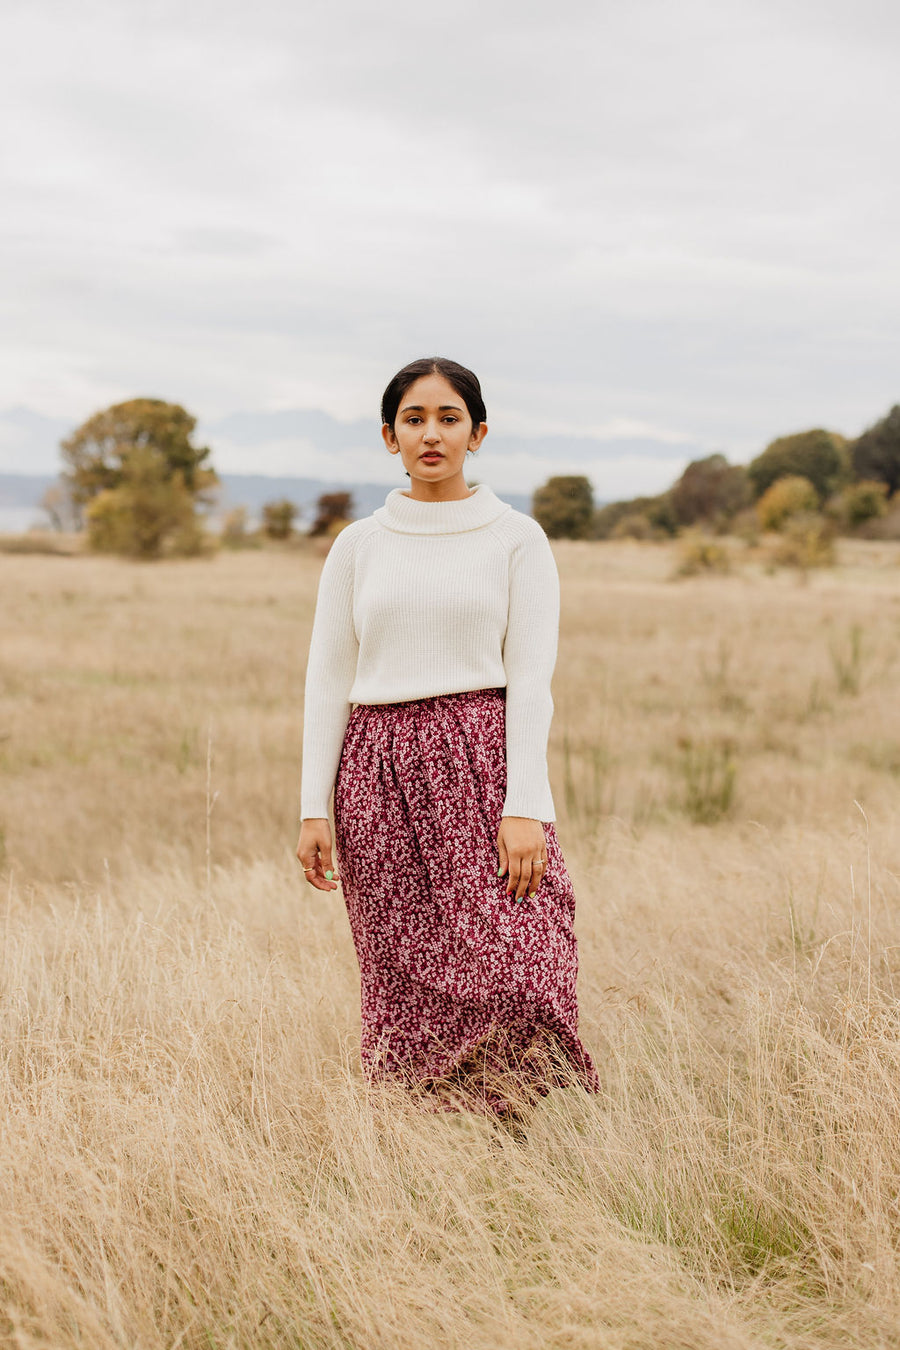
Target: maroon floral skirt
468,996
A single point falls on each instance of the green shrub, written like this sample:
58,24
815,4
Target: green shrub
564,507
148,514
699,555
710,490
807,541
708,771
876,453
886,527
860,502
634,525
278,519
136,479
820,456
658,510
745,525
791,496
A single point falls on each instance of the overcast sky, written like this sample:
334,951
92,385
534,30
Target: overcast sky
655,230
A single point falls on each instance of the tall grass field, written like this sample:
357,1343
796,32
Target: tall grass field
188,1154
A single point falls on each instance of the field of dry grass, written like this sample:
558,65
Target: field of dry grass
188,1156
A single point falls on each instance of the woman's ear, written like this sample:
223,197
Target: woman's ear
478,435
390,440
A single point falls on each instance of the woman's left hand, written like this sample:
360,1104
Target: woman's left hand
522,849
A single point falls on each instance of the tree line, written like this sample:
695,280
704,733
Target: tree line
846,483
134,479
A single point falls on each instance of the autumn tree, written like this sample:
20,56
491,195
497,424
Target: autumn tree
710,489
278,518
618,519
135,473
146,515
861,502
787,497
564,507
820,456
876,454
333,511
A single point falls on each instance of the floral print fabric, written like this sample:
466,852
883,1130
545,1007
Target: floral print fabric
467,995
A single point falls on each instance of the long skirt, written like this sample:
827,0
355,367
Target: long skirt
468,996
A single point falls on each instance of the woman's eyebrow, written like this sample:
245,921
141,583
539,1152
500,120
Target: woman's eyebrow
418,407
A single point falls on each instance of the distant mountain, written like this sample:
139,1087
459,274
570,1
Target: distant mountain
23,489
254,490
20,496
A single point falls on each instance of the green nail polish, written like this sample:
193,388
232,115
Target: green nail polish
329,875
500,873
532,895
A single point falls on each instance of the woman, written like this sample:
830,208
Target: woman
427,709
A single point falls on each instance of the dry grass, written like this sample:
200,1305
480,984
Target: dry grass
188,1155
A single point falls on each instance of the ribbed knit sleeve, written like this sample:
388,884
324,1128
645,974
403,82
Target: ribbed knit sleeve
333,652
529,657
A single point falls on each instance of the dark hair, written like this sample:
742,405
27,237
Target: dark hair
463,381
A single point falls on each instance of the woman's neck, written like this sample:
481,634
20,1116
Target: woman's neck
452,490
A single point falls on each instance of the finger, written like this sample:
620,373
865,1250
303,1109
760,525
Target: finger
525,887
319,871
514,868
310,864
320,882
540,871
328,869
520,877
502,858
537,868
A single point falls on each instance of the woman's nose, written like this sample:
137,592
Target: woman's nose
431,434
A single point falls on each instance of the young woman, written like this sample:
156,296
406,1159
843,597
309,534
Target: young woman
427,710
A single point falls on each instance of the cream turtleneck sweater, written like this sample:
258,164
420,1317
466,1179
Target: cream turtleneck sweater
426,598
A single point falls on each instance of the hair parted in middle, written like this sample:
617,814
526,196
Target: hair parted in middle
462,380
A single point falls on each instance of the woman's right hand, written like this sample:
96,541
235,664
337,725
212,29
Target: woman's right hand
314,852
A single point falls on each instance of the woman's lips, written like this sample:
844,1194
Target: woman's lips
431,454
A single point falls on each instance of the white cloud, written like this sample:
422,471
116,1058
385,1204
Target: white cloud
670,223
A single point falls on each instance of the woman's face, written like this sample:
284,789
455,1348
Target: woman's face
432,432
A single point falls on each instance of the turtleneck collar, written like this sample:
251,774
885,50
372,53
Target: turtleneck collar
406,516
